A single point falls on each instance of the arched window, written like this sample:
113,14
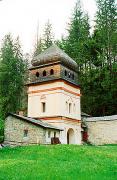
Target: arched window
70,107
44,73
66,106
37,74
73,76
65,73
69,75
74,108
51,72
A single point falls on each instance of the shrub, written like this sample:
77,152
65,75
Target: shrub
1,130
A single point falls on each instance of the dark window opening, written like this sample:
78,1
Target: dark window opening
49,134
65,73
73,76
25,133
69,75
54,134
70,106
37,74
44,73
51,72
43,106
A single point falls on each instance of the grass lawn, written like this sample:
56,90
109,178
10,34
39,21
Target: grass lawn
59,162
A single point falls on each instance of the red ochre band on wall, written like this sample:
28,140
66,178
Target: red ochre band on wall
52,89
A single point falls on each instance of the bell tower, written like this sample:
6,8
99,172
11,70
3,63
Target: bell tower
54,93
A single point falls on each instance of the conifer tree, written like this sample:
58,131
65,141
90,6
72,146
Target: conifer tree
48,36
78,33
39,47
106,25
12,76
45,41
99,86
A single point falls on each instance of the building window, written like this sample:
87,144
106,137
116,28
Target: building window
43,104
69,75
44,73
25,133
74,108
70,106
51,72
37,74
73,76
49,134
65,73
66,106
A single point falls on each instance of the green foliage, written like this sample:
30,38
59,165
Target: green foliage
39,47
99,97
76,43
1,130
12,76
106,24
45,41
48,35
59,162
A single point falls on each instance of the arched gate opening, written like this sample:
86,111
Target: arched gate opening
70,136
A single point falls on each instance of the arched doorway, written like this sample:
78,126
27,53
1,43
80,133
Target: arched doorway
70,136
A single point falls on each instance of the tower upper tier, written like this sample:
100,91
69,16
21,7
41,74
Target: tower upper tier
53,64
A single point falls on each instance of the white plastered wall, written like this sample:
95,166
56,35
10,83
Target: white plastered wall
55,100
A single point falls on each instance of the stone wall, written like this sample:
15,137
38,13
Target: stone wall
14,132
102,132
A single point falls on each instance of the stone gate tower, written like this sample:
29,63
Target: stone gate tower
54,93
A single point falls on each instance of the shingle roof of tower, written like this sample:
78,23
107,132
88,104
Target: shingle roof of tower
54,54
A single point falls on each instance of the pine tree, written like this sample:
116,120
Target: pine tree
45,41
106,25
39,47
99,86
48,36
75,44
12,75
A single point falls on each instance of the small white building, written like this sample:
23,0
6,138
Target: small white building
20,130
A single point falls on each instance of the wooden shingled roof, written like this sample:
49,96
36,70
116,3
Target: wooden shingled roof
54,54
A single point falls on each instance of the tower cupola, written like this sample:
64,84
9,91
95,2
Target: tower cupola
53,64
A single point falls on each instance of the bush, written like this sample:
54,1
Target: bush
1,130
1,139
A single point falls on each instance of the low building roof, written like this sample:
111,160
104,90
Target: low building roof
103,118
35,122
84,114
54,54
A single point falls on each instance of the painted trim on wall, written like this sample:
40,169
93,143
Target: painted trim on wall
59,118
53,89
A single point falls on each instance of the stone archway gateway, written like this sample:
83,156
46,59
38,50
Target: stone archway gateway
70,136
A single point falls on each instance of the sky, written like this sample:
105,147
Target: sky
21,18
